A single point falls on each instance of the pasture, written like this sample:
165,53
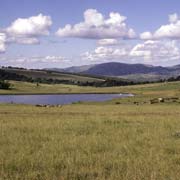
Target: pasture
120,139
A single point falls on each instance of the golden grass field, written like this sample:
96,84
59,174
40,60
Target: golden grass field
126,139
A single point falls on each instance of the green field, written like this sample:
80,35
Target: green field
128,139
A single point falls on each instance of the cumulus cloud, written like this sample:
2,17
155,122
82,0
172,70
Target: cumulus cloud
155,51
25,31
147,52
54,59
105,53
28,30
95,26
30,27
146,36
171,30
2,42
107,42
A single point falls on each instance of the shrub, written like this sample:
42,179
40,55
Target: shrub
4,85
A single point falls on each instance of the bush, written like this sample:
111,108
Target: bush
4,85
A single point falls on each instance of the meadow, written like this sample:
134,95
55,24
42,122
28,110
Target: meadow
126,139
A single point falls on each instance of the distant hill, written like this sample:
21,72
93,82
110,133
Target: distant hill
120,69
75,69
129,71
106,74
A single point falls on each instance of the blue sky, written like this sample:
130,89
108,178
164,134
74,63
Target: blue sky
50,44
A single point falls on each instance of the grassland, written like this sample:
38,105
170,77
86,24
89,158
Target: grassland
120,139
43,74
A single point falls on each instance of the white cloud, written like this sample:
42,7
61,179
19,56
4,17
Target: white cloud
95,26
27,30
93,18
44,59
156,51
107,42
169,31
149,52
55,59
173,18
35,61
24,40
32,26
106,53
2,42
146,35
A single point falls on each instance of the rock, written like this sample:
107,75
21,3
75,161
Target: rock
160,100
118,103
153,101
174,98
39,105
48,105
42,105
137,103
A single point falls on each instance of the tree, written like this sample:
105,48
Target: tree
4,85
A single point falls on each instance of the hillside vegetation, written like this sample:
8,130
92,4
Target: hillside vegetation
48,75
53,77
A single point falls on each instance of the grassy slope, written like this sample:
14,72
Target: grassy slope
144,77
53,75
93,140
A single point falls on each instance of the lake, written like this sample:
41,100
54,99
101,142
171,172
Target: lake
58,99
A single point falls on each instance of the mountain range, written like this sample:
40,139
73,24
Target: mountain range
128,71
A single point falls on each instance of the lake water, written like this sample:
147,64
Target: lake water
58,99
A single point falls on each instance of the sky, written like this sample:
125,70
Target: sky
64,33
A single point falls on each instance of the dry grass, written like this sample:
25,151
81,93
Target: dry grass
90,142
93,140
